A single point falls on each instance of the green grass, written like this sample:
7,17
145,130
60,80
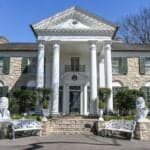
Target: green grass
19,116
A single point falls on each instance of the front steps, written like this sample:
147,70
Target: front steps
70,126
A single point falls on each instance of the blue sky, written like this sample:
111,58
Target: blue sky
17,15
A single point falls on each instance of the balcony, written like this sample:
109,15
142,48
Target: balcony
70,68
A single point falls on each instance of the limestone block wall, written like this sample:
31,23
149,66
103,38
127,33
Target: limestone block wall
15,77
142,131
133,79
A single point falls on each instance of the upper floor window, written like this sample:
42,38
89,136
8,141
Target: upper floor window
29,65
4,65
75,63
119,65
144,65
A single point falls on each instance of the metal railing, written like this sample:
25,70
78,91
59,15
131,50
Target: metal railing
70,68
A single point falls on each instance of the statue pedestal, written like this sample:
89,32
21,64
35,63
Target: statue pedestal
4,126
142,130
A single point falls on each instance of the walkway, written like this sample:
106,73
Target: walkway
72,142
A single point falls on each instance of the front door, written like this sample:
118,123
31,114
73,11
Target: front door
74,100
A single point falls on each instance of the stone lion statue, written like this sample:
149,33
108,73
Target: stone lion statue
4,112
141,109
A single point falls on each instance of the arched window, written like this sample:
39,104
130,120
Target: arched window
146,90
117,86
3,89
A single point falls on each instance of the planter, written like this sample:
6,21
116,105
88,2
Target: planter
45,112
101,111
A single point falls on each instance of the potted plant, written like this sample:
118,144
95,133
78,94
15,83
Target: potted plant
44,95
101,109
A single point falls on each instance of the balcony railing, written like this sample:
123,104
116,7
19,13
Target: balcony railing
79,68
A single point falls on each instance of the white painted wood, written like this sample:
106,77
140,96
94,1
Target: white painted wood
108,74
93,78
40,66
55,78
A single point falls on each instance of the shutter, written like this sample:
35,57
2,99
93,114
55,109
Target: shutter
24,65
123,65
5,91
142,65
6,65
1,91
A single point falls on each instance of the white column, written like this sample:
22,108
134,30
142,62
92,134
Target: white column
101,73
108,74
40,66
55,78
93,80
40,73
82,101
85,100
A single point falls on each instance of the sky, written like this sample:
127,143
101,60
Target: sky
17,15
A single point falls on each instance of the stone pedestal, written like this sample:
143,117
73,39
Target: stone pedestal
99,126
4,126
142,131
45,128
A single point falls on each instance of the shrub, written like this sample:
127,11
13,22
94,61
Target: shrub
44,96
125,100
24,99
103,95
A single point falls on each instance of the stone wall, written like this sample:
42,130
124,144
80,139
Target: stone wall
142,131
133,79
15,77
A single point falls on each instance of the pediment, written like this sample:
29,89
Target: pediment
75,19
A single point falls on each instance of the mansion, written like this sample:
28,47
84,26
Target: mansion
75,53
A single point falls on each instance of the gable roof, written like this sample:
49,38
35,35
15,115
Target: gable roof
85,21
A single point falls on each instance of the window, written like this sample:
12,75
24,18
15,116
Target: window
146,91
3,89
4,65
119,65
29,65
1,66
75,63
117,89
115,65
147,65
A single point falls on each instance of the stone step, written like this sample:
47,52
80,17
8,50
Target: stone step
70,126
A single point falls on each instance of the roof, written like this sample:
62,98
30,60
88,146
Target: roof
120,46
62,21
18,46
3,39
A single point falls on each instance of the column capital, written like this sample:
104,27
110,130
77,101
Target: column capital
92,42
55,42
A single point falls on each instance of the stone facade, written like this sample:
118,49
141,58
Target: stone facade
133,79
15,78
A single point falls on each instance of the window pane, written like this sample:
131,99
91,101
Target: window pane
147,65
1,66
115,65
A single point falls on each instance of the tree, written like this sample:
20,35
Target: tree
24,99
135,28
125,100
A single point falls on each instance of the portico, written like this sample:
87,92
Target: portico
74,59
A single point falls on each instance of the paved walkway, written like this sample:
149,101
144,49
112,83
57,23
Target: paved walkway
72,142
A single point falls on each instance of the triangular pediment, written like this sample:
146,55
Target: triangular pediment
74,19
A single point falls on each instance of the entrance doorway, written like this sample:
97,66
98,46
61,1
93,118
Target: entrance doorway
74,99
